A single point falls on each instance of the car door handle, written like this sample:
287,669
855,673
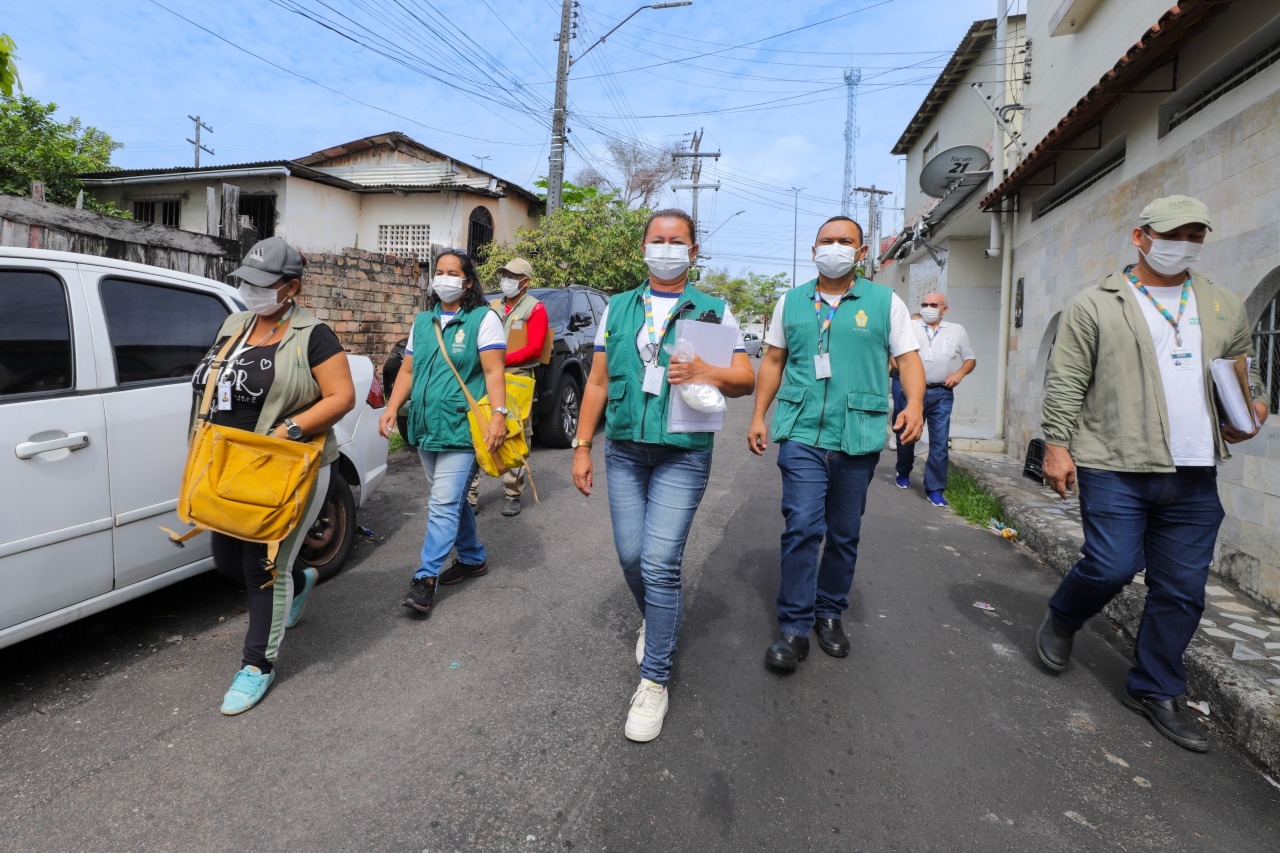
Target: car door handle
73,441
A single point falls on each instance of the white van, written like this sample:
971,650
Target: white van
96,358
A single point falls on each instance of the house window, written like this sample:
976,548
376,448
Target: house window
261,210
480,233
1199,95
407,241
1108,160
931,149
1266,344
158,211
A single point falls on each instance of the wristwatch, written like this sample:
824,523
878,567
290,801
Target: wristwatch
580,442
292,430
502,410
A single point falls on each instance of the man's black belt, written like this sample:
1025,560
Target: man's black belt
936,385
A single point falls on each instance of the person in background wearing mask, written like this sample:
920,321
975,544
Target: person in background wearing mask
948,358
529,339
656,478
473,341
286,376
1129,416
829,342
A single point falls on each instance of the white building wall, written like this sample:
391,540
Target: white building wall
316,217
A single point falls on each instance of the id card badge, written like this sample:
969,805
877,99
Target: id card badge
653,379
822,365
224,396
517,324
927,355
1183,361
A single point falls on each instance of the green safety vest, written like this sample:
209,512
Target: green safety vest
437,407
849,411
631,414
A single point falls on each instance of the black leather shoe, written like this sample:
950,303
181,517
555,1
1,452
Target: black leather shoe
1053,648
787,652
1169,721
831,637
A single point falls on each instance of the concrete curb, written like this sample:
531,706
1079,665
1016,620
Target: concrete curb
1240,701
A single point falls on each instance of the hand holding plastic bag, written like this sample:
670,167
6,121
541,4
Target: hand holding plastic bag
699,396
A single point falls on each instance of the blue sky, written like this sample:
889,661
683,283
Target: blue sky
774,108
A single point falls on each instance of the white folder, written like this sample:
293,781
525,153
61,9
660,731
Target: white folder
714,343
1231,379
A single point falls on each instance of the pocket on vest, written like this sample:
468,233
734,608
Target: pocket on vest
788,402
617,414
865,421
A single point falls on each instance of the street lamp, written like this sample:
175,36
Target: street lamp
707,239
555,161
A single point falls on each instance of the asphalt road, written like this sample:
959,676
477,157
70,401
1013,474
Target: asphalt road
496,724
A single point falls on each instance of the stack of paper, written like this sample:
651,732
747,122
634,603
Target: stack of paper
1235,401
714,343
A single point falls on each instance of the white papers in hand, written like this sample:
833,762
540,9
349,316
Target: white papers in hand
1234,399
714,343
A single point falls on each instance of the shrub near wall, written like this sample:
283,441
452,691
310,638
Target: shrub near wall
368,298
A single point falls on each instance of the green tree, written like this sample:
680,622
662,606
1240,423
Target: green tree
751,296
8,66
35,147
594,240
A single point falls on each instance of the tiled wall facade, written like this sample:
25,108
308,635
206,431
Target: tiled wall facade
1235,169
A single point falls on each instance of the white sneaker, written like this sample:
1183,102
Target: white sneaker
640,645
648,707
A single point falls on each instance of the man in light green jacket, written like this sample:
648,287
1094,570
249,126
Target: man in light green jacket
1130,416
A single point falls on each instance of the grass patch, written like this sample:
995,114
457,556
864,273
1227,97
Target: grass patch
396,443
970,500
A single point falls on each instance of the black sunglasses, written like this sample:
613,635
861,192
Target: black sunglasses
930,304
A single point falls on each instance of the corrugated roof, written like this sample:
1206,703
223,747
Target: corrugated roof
965,57
1161,40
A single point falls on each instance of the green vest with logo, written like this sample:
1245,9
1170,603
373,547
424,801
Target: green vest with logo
849,411
437,407
631,414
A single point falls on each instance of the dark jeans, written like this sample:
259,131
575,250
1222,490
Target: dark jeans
824,493
937,414
1167,523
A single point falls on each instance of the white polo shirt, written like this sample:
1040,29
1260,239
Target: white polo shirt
944,348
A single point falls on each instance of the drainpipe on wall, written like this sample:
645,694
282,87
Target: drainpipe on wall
1006,302
1001,244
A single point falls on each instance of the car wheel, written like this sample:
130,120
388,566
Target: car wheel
560,426
329,540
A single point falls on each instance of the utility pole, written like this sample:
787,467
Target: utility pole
852,77
196,142
869,237
795,233
696,172
555,170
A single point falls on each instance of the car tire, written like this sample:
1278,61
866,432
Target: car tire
329,540
560,426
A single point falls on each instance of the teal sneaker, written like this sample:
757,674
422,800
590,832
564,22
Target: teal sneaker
247,690
300,597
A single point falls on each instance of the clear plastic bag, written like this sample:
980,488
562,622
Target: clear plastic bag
699,397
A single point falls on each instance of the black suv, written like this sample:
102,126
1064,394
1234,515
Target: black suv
574,313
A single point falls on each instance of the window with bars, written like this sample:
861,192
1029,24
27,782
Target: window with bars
407,241
479,231
158,211
1266,345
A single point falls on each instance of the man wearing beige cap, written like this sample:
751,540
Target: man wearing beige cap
529,340
1130,416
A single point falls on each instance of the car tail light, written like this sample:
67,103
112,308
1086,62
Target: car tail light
376,398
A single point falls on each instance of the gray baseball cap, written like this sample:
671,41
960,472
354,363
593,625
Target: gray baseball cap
268,261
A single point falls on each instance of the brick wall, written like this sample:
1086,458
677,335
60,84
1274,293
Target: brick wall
368,298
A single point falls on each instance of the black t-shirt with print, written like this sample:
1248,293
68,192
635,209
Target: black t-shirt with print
252,374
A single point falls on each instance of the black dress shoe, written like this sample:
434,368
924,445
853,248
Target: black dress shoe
787,652
1053,648
831,637
1171,723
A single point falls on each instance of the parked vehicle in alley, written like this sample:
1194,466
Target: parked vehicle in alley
752,342
96,358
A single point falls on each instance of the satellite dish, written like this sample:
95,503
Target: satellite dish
945,170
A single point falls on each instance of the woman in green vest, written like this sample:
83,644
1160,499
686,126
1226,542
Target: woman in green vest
656,478
457,328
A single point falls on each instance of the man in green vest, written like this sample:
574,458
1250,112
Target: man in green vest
529,339
829,343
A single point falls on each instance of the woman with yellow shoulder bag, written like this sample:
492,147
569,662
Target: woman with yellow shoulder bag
274,370
456,353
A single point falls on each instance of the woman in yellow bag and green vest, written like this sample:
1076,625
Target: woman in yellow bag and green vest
473,340
656,478
287,376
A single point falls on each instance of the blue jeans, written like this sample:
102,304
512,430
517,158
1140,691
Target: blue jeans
654,491
1167,523
824,493
450,519
937,414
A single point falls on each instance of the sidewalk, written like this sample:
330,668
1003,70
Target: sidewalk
1233,662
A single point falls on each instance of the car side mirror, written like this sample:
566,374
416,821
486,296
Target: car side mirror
579,321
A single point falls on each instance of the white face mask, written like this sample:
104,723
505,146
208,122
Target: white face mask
1172,257
835,260
260,300
447,287
666,261
930,315
510,287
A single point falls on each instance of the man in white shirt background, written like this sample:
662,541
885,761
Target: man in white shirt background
948,359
